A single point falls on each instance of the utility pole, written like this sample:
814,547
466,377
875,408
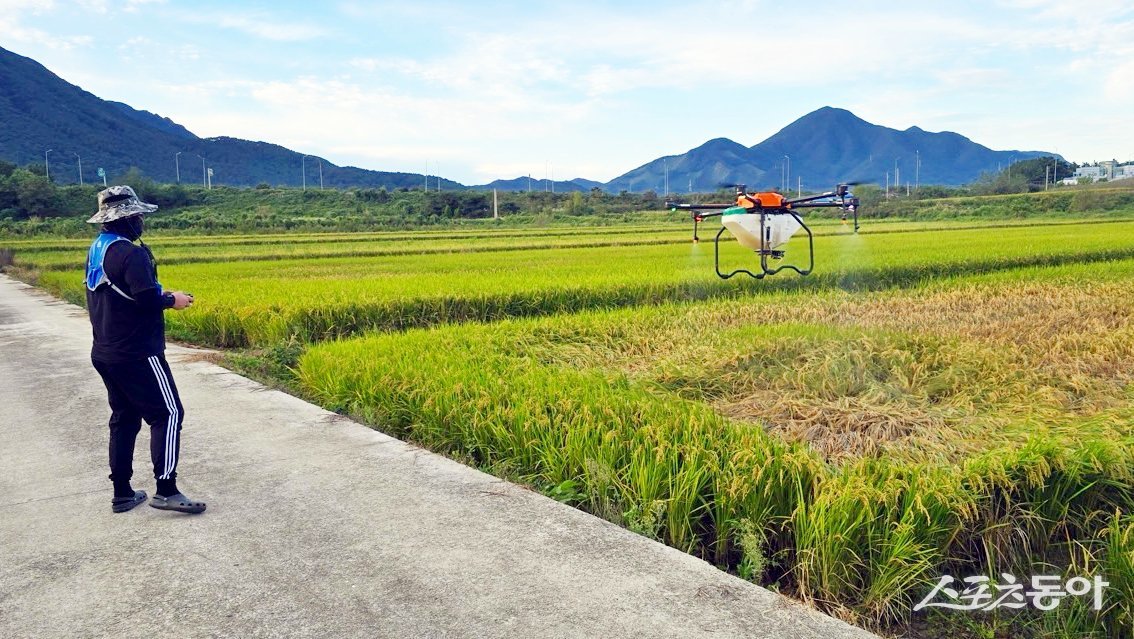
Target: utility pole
665,165
47,165
80,167
177,165
787,173
320,174
897,176
917,170
799,186
887,184
303,171
495,206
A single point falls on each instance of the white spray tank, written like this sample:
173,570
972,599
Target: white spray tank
745,227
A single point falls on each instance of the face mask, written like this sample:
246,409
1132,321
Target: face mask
137,226
129,228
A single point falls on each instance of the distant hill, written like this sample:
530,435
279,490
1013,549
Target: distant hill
154,121
40,111
718,161
525,183
823,148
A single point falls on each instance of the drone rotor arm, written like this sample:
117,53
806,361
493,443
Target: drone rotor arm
812,198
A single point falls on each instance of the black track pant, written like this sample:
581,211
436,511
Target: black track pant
140,390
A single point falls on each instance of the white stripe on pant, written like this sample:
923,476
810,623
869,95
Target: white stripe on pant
171,424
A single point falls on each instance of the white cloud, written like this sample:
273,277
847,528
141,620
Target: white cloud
135,49
18,33
350,107
13,12
350,122
620,52
96,6
262,26
13,7
1119,84
133,5
206,91
187,52
972,78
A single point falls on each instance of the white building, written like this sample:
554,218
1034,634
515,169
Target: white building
1108,170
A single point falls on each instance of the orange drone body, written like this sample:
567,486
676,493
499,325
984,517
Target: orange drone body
769,200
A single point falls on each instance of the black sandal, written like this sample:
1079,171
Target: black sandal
122,504
178,502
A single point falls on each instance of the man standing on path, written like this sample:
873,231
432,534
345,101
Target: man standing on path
126,303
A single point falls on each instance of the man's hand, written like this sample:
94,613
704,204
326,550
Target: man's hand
181,300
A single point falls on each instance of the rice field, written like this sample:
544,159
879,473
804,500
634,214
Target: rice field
847,447
326,295
937,398
69,254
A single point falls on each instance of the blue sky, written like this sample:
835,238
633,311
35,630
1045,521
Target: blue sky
477,91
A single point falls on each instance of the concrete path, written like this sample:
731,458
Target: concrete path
316,526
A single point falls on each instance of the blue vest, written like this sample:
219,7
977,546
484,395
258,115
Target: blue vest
96,276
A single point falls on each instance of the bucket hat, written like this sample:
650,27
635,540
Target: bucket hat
117,202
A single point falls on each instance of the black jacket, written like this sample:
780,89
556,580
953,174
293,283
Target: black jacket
128,330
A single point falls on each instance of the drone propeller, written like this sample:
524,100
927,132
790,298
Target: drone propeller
862,182
731,185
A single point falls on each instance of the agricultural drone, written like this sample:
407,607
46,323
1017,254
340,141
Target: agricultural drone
764,222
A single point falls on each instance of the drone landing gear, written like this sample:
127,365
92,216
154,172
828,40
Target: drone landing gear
765,253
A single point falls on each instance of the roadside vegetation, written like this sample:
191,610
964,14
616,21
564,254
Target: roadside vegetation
30,205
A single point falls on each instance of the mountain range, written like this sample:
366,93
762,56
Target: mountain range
41,113
821,149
